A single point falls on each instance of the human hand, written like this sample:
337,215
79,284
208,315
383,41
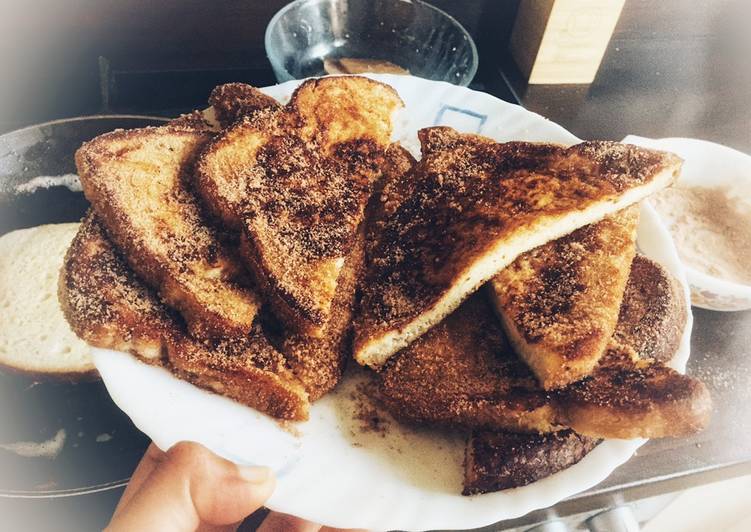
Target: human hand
188,488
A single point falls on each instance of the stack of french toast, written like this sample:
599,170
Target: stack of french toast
494,288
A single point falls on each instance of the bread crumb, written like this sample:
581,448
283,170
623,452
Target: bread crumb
289,427
368,413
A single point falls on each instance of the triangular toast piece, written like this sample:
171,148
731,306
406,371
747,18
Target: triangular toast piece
319,362
653,313
109,307
463,373
559,303
470,207
136,181
499,460
295,181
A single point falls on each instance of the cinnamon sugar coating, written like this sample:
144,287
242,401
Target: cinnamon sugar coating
559,303
136,181
463,373
233,101
503,460
108,306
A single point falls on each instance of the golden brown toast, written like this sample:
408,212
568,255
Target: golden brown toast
497,460
394,182
463,373
395,168
109,307
295,181
137,185
105,304
319,362
627,398
502,460
559,303
470,207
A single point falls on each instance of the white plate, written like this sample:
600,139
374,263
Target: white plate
334,473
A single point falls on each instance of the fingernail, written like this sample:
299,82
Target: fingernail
254,474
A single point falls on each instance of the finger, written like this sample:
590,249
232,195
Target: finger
190,486
151,458
276,522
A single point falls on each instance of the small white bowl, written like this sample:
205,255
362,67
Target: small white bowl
707,164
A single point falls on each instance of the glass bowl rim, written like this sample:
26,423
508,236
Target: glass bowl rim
278,66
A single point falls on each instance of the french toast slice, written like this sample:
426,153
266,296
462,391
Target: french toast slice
559,303
232,101
463,373
295,182
499,460
136,183
320,362
105,304
470,207
653,313
109,307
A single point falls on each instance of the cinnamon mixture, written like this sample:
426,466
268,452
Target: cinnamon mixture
711,228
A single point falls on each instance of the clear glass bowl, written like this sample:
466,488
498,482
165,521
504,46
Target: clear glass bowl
409,33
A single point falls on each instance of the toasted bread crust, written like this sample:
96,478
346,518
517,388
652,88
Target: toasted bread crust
502,460
642,399
109,307
473,207
320,362
395,170
559,303
105,304
296,180
653,400
247,369
219,177
233,101
135,181
461,373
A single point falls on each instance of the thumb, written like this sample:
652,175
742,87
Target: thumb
189,487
